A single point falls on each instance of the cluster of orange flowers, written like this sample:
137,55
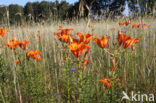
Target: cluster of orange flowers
34,54
127,42
133,25
13,44
78,46
125,23
140,25
3,32
136,25
108,82
64,35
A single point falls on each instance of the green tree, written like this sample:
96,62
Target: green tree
44,10
15,14
36,11
63,8
3,15
53,10
101,7
105,7
142,7
28,11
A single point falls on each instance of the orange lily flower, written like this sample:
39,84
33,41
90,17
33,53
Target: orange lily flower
121,23
85,37
34,54
60,26
102,42
128,22
39,58
65,38
12,44
17,61
121,37
3,32
65,31
113,67
143,25
77,48
135,26
64,35
125,23
129,42
108,82
24,44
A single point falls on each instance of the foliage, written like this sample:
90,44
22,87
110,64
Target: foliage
55,11
15,14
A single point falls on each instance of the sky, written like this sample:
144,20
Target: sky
126,11
23,2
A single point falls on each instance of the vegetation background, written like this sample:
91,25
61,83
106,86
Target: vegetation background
57,80
47,11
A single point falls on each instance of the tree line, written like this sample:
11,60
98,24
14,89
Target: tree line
48,11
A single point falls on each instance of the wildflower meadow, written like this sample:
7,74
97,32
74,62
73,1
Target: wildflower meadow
79,62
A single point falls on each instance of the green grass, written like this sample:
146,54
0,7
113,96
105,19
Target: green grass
52,81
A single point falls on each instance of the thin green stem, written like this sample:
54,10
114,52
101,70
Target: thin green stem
68,78
2,95
80,82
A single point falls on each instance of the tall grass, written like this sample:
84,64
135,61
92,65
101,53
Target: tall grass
51,80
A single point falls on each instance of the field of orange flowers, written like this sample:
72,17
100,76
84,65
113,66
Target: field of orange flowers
75,62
